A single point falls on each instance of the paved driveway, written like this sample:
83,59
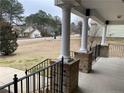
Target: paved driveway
7,74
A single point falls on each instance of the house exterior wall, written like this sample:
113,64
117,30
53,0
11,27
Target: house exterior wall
112,31
35,34
29,29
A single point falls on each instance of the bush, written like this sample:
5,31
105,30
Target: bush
8,39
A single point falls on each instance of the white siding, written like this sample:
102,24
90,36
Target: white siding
35,34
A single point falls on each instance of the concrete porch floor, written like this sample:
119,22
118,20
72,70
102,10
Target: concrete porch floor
107,77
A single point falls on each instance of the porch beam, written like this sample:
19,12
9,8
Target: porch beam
97,17
120,22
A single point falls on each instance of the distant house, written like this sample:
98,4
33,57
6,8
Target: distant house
32,32
49,30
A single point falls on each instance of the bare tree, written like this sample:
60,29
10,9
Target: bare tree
93,34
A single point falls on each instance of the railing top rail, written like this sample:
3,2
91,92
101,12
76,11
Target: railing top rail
38,64
9,84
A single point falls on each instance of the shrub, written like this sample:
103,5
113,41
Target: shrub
8,39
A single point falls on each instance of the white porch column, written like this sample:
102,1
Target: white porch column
65,43
103,42
84,37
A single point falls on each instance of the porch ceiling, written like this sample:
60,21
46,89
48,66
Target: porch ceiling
112,10
101,10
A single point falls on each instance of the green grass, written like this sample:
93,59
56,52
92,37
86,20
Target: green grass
20,64
31,52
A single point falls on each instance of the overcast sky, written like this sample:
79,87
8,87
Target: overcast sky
32,6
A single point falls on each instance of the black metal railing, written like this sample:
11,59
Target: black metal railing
95,52
46,80
38,66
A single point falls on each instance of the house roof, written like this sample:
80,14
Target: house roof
29,30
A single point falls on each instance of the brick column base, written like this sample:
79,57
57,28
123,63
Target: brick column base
104,51
71,72
70,77
85,64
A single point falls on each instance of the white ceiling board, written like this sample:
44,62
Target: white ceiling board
109,9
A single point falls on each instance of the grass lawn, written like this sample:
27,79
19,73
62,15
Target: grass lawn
33,51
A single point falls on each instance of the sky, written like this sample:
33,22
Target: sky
32,6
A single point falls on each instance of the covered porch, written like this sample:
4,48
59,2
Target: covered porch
106,77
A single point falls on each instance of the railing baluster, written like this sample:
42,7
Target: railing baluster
99,46
57,74
43,80
15,83
44,65
62,71
34,83
47,81
27,85
39,81
54,79
95,52
21,86
9,89
51,79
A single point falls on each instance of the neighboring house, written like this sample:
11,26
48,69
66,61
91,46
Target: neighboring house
31,32
49,29
112,31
